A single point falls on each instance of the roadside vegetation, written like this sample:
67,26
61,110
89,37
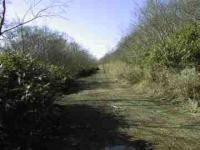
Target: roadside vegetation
161,54
37,66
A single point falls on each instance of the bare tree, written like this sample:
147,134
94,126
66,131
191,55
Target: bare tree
35,11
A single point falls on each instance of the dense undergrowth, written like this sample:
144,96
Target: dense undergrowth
162,54
34,72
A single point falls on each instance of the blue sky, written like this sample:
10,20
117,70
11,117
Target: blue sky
97,25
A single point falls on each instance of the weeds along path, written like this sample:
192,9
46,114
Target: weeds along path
155,120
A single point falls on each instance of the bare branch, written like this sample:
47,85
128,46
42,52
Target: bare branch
26,22
41,12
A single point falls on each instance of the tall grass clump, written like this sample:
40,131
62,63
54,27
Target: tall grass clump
123,71
187,84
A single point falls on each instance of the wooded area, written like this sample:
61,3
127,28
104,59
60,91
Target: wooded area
161,55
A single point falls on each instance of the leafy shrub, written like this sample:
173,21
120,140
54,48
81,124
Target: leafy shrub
63,77
180,50
27,91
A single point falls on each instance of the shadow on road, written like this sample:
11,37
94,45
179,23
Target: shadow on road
81,85
84,127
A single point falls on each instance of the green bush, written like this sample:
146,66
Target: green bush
28,89
63,77
180,50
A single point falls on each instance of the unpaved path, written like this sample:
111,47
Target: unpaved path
155,120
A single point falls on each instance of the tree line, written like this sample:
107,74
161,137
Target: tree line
162,50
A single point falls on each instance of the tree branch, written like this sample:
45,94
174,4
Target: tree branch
23,23
3,16
43,12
